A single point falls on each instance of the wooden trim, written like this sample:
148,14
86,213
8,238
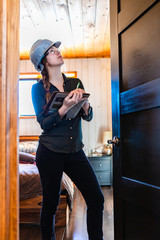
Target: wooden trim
74,72
27,117
3,105
36,75
80,57
9,65
28,138
149,92
39,75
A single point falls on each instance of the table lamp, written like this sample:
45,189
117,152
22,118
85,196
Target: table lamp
107,149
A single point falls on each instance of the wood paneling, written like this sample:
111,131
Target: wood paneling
82,26
129,11
9,60
140,51
95,74
149,92
145,215
140,153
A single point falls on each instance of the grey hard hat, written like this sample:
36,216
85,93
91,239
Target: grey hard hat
38,50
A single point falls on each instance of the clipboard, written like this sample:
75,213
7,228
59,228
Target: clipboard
57,99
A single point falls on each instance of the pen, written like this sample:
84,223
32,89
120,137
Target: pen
78,85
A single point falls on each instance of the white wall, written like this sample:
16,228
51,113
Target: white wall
95,74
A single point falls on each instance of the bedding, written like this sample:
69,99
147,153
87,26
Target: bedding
30,185
26,158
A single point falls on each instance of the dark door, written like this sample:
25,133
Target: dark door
135,64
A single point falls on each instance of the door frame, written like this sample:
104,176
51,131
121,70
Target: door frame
115,120
9,77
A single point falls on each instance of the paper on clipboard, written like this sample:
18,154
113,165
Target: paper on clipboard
56,102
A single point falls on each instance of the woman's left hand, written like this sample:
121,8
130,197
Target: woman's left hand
86,104
86,107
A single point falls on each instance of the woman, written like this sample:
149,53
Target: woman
60,145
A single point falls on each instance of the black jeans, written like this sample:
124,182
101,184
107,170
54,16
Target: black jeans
51,166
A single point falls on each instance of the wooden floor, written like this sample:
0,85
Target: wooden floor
76,228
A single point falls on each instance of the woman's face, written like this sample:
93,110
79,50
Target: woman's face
54,57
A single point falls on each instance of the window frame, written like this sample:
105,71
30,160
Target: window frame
38,76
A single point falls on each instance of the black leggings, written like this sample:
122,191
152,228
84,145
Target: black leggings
51,166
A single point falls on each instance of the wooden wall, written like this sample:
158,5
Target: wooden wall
95,74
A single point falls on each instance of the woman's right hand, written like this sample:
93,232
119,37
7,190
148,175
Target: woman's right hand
72,98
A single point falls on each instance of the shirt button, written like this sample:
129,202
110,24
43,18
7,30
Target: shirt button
70,137
70,127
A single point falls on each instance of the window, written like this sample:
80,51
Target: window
25,100
26,82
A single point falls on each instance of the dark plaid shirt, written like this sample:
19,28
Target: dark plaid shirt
59,135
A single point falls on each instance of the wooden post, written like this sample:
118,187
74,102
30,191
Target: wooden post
9,62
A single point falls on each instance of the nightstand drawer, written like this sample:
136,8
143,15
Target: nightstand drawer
103,177
100,165
103,169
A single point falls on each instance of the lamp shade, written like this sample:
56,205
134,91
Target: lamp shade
107,136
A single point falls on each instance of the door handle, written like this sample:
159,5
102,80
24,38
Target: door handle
114,141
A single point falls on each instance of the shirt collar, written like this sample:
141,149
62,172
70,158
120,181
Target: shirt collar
64,78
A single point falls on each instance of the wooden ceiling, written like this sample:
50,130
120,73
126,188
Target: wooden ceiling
82,26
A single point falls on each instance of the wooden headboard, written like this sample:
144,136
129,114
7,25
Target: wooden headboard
28,138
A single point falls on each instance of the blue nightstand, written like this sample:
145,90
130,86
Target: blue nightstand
103,169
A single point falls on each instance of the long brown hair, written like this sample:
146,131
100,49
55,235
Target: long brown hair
45,80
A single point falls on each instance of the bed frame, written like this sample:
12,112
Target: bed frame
30,211
30,208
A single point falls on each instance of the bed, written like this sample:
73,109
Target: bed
31,191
